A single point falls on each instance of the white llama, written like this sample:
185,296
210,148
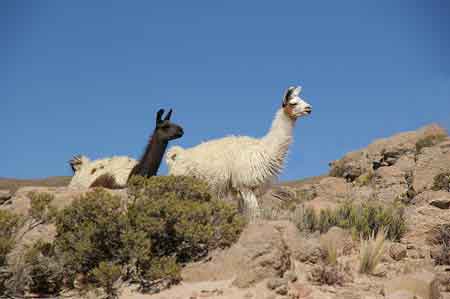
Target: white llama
239,165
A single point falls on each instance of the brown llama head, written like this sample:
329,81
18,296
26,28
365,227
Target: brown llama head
166,130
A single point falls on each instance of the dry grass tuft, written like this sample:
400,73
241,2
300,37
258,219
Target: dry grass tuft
371,251
330,250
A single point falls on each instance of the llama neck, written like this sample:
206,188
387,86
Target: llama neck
279,137
151,160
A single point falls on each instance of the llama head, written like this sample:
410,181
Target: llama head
166,130
293,105
77,162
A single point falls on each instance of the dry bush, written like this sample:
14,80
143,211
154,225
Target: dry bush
442,182
429,141
440,236
371,251
327,274
329,246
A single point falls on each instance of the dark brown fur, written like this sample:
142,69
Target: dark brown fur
106,180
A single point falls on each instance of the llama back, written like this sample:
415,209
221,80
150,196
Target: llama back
87,173
221,163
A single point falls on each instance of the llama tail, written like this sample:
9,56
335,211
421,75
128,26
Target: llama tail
172,154
107,181
76,163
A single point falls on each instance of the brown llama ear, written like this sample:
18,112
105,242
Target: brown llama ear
168,115
159,114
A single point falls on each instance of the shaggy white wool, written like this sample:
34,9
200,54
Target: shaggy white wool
236,164
87,171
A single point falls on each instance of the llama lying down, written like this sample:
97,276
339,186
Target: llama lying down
239,165
114,173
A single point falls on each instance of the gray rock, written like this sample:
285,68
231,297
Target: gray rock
423,284
282,290
5,195
264,253
397,251
275,283
441,203
431,162
290,276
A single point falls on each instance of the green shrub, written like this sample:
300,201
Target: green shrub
362,219
89,231
10,223
442,182
365,179
429,141
162,273
168,221
44,269
159,186
106,276
327,219
40,209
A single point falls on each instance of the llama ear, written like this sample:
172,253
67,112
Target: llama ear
290,93
159,114
297,91
168,115
287,95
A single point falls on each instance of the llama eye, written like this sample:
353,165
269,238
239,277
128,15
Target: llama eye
293,104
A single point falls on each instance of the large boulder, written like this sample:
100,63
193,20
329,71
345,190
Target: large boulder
262,252
390,183
430,162
423,284
400,148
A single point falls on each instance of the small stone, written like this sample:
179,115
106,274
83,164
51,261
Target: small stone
290,276
274,283
380,271
248,295
300,289
348,295
397,251
282,290
441,203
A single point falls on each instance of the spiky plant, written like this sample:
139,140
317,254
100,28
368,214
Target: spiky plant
371,251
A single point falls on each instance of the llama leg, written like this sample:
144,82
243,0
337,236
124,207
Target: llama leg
249,205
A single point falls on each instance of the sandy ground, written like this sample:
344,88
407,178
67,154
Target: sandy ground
206,289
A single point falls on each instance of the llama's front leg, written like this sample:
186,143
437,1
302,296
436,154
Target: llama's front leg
249,205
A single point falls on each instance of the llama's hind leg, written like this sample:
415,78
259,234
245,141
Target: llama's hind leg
249,205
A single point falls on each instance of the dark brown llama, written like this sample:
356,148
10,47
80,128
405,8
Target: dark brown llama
150,161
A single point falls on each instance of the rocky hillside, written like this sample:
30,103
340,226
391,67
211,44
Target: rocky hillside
290,254
14,184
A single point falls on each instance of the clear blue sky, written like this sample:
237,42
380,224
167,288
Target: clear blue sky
88,76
